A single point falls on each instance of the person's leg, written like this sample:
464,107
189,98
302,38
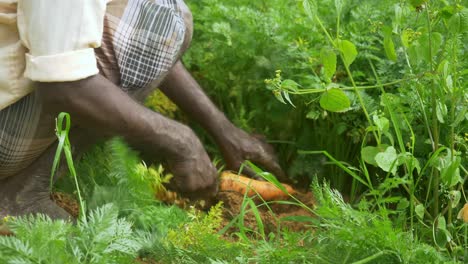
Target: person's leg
27,151
28,191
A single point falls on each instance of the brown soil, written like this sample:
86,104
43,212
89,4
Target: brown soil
272,215
67,202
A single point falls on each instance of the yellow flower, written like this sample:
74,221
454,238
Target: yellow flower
6,219
463,214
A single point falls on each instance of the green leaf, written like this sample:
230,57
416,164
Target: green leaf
389,47
423,50
405,38
328,58
368,153
458,23
289,85
338,6
455,197
310,8
382,123
450,172
403,204
286,96
441,224
410,160
419,210
348,50
441,111
335,100
387,160
313,114
442,234
398,15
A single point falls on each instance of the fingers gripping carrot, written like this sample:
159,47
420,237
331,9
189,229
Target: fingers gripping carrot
241,184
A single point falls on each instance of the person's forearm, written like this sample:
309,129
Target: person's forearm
187,94
97,104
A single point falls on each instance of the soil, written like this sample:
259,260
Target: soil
272,216
67,202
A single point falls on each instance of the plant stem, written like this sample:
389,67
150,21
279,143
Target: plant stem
435,124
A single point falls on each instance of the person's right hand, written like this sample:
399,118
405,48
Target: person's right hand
195,176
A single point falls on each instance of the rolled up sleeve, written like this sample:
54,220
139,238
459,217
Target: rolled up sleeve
61,36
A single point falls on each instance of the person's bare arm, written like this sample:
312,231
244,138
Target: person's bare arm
97,104
235,144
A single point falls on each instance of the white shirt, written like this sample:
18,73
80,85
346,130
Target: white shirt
36,43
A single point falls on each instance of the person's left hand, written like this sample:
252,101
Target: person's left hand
238,146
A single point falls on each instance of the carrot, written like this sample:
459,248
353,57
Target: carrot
241,184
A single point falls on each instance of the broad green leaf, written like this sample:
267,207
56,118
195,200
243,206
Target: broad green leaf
338,6
461,115
389,47
335,100
310,8
423,50
458,23
441,223
403,204
368,153
450,173
443,68
419,210
348,50
387,160
413,52
455,197
382,123
441,111
313,114
398,15
442,234
449,83
328,58
414,163
405,38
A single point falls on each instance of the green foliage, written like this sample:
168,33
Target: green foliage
103,238
158,102
395,71
359,236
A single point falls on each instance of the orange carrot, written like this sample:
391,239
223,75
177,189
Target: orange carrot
241,184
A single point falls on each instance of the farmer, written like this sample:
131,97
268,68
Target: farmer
97,60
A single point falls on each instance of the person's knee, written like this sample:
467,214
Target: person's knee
188,20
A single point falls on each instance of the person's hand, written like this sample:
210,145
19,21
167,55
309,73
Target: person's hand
195,176
238,146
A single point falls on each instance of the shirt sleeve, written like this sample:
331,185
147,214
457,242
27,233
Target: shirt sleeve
60,36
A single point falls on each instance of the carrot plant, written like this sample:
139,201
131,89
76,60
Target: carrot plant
415,137
377,93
